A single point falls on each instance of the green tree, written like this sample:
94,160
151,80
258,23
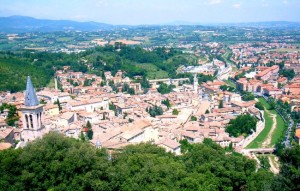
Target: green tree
164,88
58,104
289,73
87,82
288,178
264,162
59,163
12,116
42,101
259,106
155,110
272,104
131,91
54,162
193,118
167,103
90,132
247,96
221,105
175,112
102,83
243,124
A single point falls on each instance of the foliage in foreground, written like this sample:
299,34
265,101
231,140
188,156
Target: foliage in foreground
59,163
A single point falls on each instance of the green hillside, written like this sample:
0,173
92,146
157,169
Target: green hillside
13,73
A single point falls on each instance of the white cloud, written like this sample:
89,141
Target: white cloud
285,2
237,5
213,2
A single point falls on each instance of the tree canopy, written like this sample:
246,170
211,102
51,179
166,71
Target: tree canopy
164,88
289,73
155,110
242,125
12,115
59,163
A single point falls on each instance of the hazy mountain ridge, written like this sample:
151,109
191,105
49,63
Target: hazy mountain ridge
26,24
266,24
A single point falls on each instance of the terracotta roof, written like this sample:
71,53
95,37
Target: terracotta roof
297,134
170,143
5,146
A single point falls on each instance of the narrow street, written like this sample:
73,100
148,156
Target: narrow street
274,165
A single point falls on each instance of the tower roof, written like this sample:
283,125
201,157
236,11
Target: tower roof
30,95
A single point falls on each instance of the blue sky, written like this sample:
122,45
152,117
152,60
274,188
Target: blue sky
155,11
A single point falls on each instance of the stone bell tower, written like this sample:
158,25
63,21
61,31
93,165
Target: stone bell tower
32,114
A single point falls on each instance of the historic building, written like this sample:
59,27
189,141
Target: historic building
32,115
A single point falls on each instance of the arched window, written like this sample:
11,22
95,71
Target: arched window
26,120
31,121
41,118
38,121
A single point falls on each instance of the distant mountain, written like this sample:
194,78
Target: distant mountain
28,24
181,23
267,24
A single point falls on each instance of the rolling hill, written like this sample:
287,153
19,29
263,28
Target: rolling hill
29,24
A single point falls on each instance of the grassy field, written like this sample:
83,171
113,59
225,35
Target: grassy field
230,83
153,71
279,131
257,142
264,102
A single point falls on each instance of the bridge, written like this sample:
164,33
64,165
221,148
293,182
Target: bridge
260,150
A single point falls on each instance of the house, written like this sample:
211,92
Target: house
282,80
51,109
292,89
2,123
191,137
88,105
7,135
73,130
4,146
92,117
66,119
267,73
273,92
170,146
243,105
133,136
297,135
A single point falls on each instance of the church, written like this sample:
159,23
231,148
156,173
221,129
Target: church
32,115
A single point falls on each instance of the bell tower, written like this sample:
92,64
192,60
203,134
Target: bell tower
195,83
32,114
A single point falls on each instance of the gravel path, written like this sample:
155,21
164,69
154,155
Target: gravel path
267,141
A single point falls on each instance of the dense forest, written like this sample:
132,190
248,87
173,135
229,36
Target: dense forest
59,163
14,72
41,66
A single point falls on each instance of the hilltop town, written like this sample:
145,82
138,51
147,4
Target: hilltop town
150,95
114,110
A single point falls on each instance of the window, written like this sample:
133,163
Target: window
26,118
31,121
